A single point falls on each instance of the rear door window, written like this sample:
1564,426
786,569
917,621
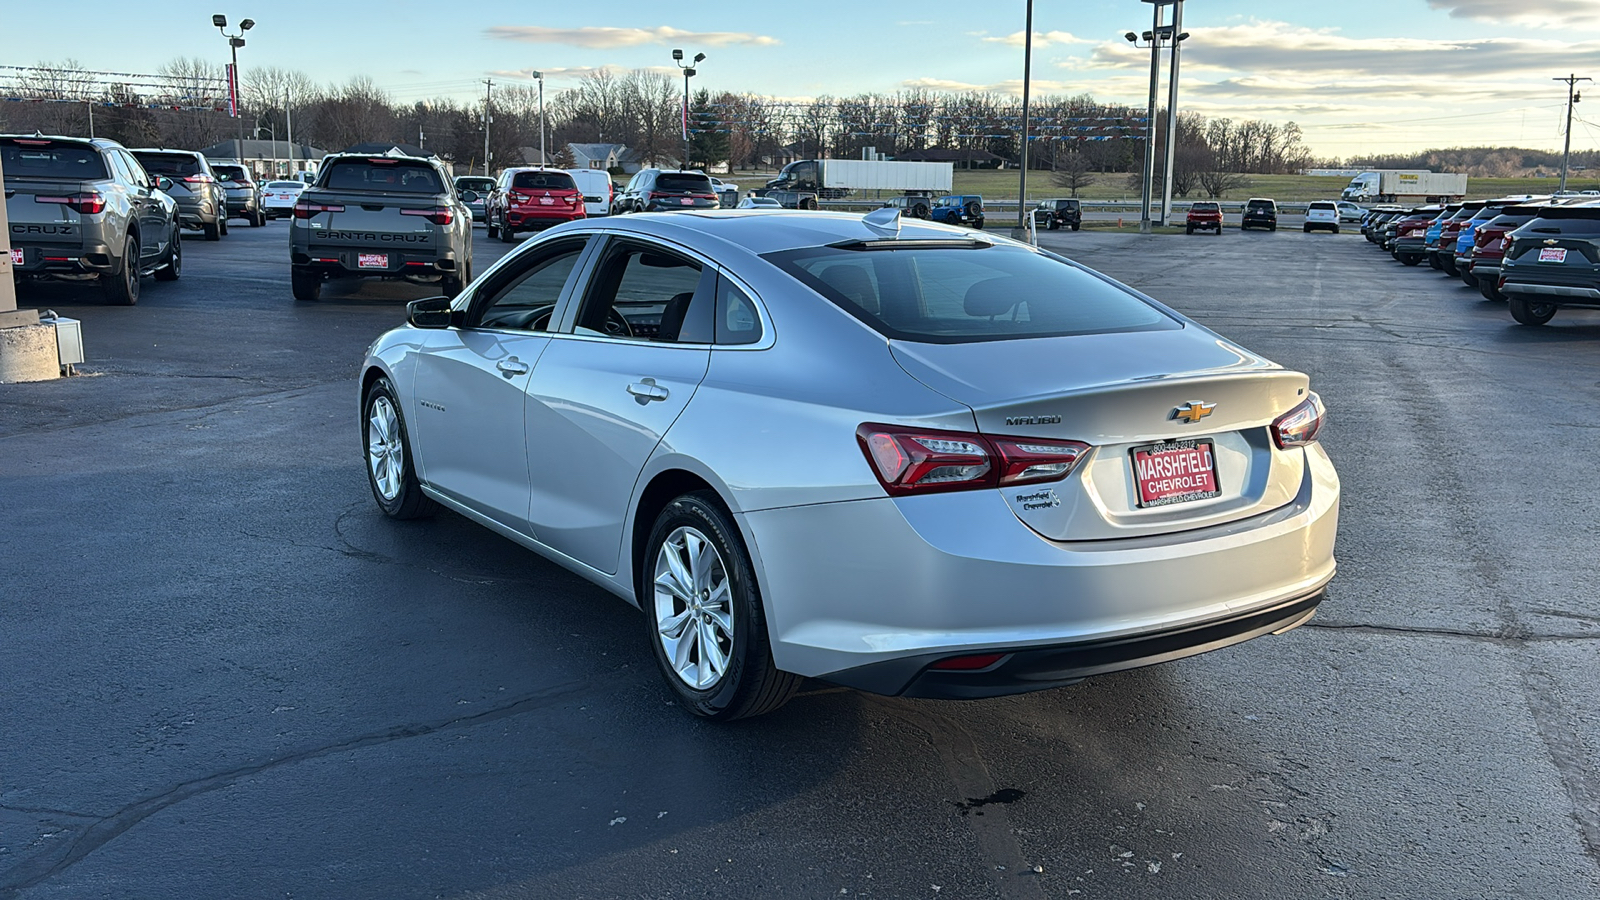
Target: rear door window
51,159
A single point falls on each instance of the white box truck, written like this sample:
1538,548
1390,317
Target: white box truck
1405,186
801,183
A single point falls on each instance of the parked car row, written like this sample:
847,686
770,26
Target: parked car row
1537,254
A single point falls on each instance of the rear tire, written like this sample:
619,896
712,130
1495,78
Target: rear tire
1188,229
720,662
390,471
1490,290
121,288
222,226
173,268
506,234
978,224
1410,259
1433,260
1075,226
306,285
211,232
1529,312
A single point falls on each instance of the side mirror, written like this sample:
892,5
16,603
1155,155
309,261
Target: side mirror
430,312
469,196
163,183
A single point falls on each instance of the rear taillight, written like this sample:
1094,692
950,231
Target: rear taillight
86,202
919,461
304,209
438,215
201,178
1299,426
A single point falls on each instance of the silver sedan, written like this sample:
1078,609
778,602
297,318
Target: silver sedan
897,456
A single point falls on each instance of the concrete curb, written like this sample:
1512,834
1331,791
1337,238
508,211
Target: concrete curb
28,353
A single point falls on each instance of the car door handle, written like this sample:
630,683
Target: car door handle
646,390
512,366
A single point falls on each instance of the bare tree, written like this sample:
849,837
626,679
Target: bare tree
1218,184
1073,171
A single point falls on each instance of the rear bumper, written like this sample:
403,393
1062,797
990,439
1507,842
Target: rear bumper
904,583
1560,294
541,218
346,261
1484,269
1410,245
64,259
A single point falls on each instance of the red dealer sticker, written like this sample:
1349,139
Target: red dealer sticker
16,256
372,261
1175,472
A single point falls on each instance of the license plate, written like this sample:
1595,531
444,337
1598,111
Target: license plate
1553,254
686,202
372,261
16,256
1175,472
547,201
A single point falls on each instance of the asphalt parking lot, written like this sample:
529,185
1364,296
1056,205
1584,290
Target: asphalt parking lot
229,675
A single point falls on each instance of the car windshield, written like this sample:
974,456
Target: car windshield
952,295
543,181
51,159
391,175
686,182
172,165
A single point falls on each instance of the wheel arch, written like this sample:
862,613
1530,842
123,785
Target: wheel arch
671,481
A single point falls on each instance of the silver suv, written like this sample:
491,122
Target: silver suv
241,190
84,210
202,203
384,217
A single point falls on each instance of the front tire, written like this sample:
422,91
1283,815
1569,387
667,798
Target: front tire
390,471
707,628
174,265
1528,312
121,287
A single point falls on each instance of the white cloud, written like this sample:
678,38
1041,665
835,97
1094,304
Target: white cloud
1038,86
1040,39
605,38
1561,14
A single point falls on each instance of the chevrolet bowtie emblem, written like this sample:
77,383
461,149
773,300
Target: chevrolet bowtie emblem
1193,411
1549,241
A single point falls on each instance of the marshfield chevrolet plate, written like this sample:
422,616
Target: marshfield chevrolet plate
1175,472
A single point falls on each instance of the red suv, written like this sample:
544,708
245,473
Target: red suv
531,199
1203,215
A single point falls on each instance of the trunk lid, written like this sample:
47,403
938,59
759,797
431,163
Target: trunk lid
1119,393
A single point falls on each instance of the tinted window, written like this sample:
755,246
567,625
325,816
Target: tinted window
1323,206
475,184
1204,207
675,181
527,302
235,174
546,181
1565,222
285,185
950,295
1260,205
51,160
172,165
393,175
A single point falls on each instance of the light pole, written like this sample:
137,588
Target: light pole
688,73
1153,37
1566,154
1178,36
544,158
235,41
1027,74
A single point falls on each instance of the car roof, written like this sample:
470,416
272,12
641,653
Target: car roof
759,232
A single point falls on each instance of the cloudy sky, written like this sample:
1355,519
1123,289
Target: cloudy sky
1359,76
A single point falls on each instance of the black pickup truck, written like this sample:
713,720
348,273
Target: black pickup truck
380,217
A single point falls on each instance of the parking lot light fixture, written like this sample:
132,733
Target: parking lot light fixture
1153,36
235,41
688,73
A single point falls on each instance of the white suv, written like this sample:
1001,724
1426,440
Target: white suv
1322,214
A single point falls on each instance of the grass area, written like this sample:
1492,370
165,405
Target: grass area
1002,185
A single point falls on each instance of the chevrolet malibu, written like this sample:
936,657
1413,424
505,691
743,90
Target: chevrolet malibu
896,456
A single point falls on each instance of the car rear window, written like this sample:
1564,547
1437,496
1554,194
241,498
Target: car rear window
1323,205
285,185
475,184
687,183
392,175
1204,207
544,181
236,174
1260,205
172,165
951,295
1583,220
51,159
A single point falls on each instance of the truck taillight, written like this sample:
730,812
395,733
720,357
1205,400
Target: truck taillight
438,215
922,461
1299,426
305,209
85,202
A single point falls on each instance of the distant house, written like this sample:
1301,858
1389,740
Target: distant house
269,159
605,157
533,156
963,159
378,148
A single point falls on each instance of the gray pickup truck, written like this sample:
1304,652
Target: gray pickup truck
83,209
380,217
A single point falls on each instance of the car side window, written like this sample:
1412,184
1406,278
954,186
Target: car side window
645,293
526,300
737,320
120,167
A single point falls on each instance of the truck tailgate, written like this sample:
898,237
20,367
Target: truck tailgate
39,213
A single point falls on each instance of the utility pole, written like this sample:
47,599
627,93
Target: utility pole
1572,97
1150,120
1172,111
488,86
1027,72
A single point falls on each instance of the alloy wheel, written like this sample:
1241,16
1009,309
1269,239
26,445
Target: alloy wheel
385,452
693,608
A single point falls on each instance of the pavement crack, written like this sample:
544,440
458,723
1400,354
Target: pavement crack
1568,754
42,867
1515,638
